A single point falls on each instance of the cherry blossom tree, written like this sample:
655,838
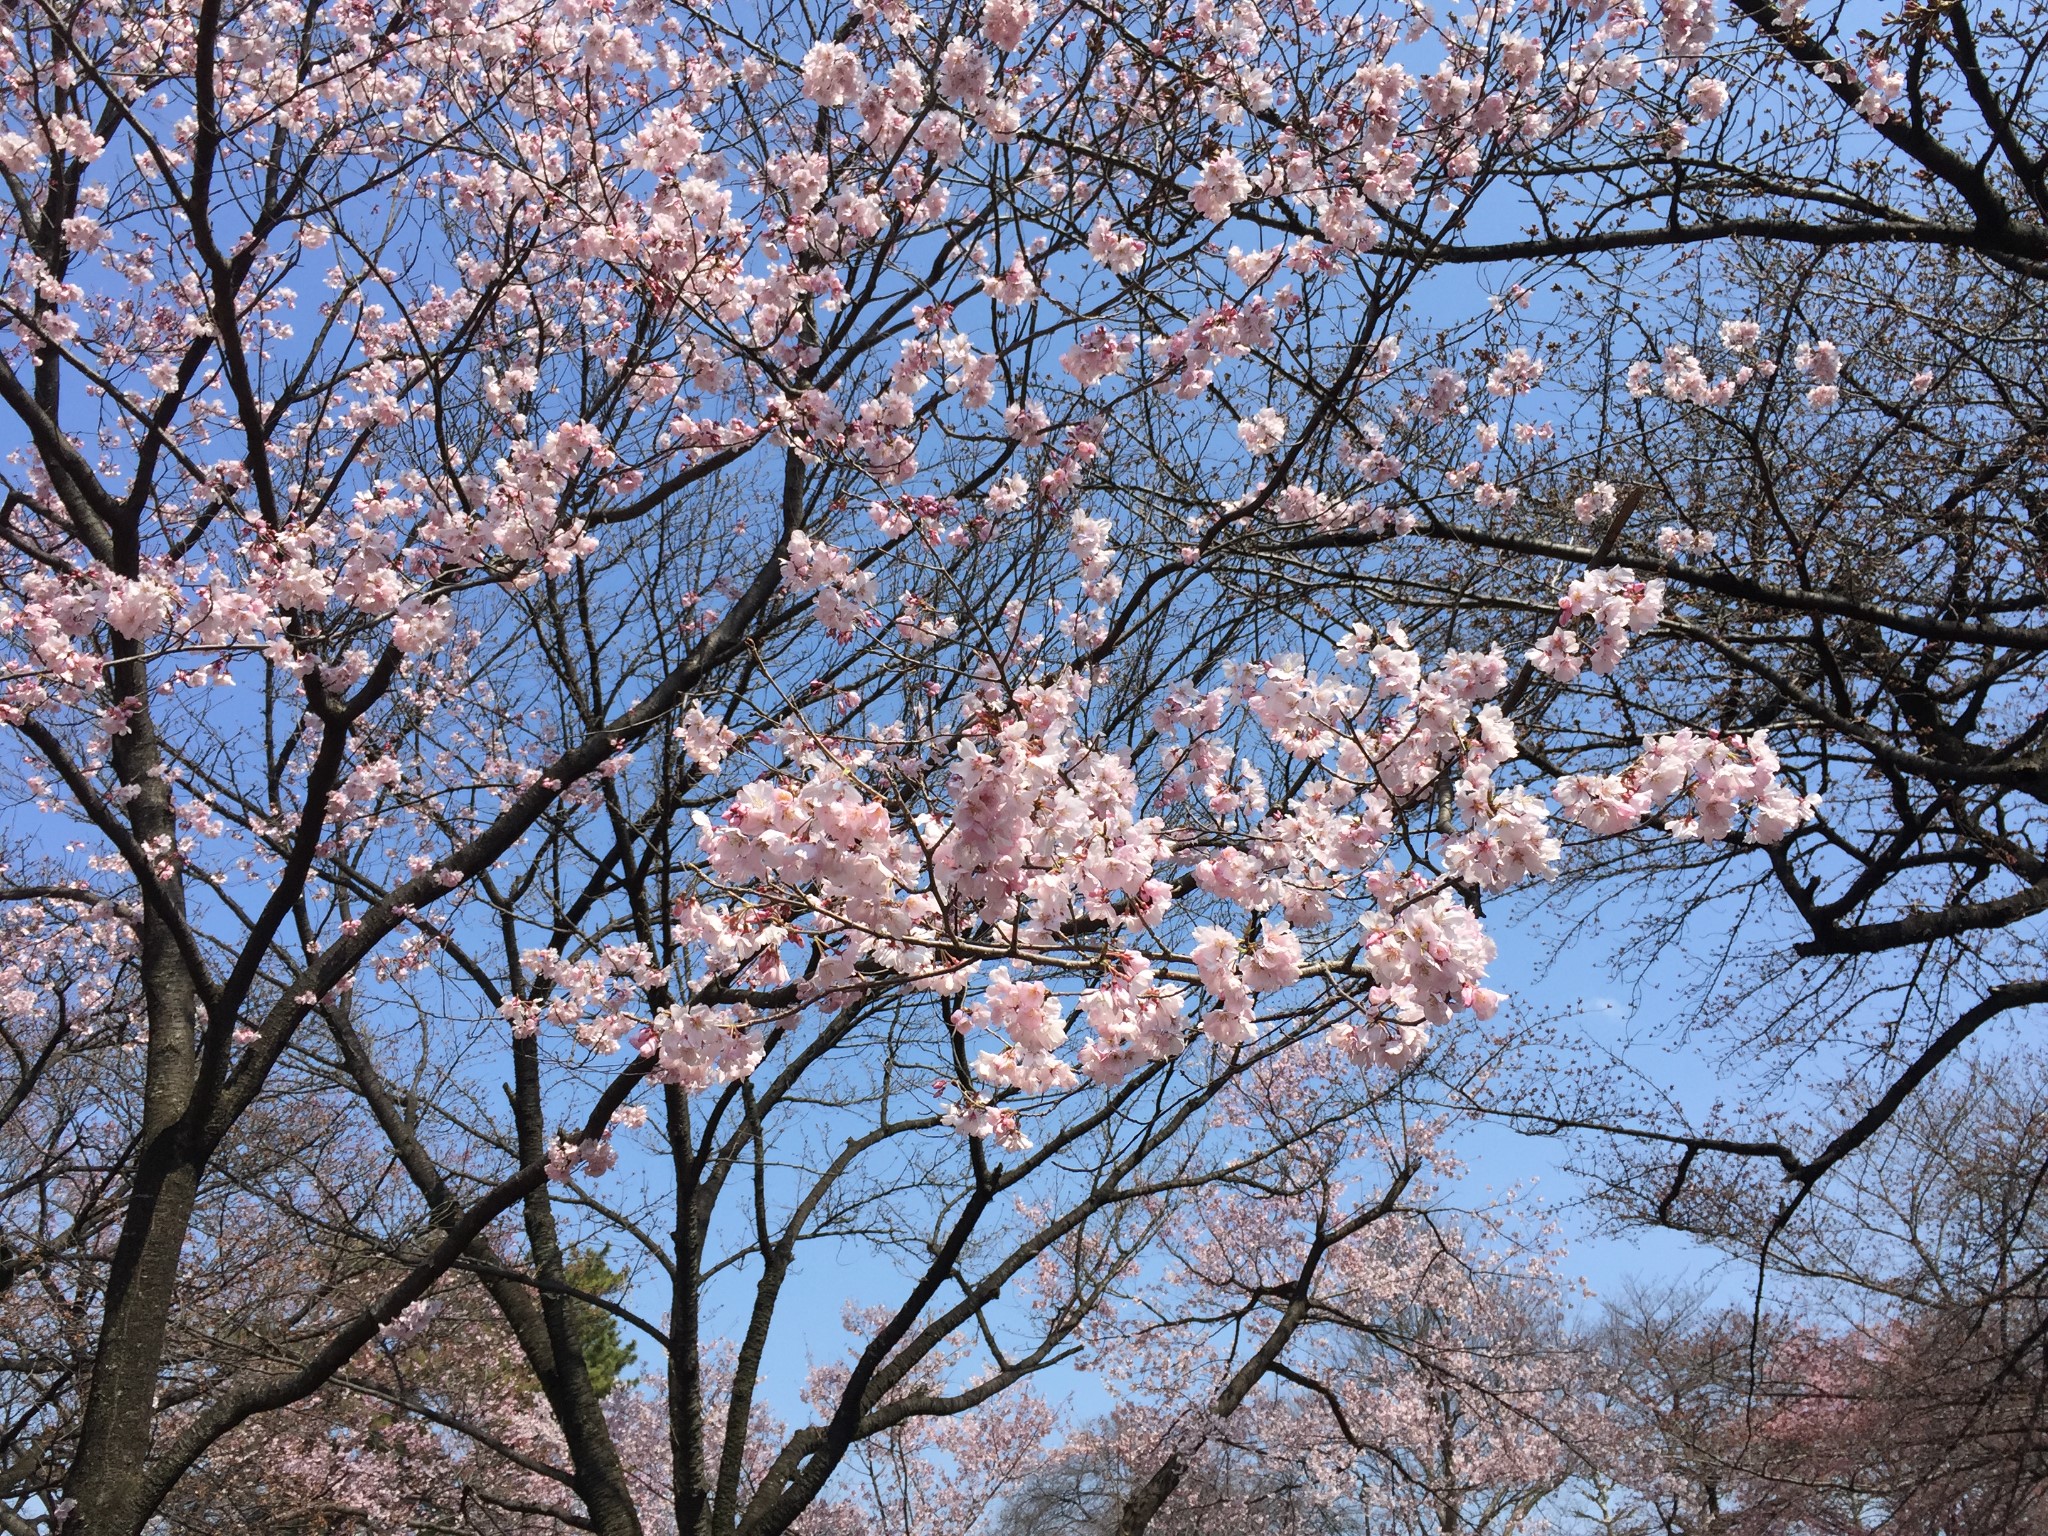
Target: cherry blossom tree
438,1429
1337,1353
1894,1378
1802,530
691,623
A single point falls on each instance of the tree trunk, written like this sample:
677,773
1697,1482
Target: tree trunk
106,1477
594,1459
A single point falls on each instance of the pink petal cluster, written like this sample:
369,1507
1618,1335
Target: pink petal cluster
1618,603
1721,777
